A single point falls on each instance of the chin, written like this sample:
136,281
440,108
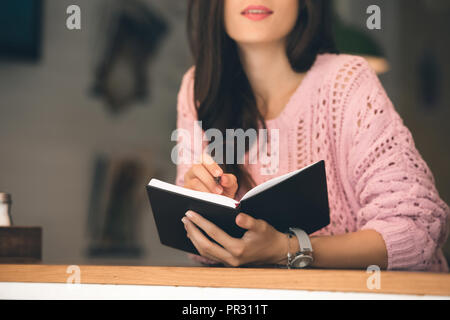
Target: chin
257,37
259,33
257,40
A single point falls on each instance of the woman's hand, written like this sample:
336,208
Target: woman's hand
261,244
202,177
203,260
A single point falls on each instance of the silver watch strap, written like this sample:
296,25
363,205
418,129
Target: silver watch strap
303,240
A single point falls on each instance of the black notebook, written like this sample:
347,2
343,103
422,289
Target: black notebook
296,199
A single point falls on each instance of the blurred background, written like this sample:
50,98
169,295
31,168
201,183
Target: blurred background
86,115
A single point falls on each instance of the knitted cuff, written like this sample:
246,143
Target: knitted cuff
401,242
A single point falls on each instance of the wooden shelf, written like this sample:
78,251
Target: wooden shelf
414,283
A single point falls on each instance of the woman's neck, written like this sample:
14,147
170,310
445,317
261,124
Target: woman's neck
270,75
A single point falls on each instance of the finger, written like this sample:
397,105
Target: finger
230,185
203,257
204,246
196,184
228,180
213,231
203,260
205,176
247,222
211,165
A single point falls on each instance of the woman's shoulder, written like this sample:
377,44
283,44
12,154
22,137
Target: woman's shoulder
186,92
188,76
351,90
344,75
334,63
343,71
187,81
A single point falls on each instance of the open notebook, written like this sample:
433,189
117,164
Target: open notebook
296,199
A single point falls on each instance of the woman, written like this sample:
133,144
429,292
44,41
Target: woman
274,66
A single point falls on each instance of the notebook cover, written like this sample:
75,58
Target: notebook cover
300,201
169,208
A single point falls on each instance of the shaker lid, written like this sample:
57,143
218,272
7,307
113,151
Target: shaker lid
5,197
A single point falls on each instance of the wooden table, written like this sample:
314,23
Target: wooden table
269,283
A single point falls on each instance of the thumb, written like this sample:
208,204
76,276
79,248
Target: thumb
229,183
245,221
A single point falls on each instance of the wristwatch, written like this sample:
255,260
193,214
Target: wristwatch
304,257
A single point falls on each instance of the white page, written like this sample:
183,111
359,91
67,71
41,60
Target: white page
269,183
210,197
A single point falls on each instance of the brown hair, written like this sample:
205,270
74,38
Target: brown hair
222,92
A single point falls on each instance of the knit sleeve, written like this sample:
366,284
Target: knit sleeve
392,184
189,133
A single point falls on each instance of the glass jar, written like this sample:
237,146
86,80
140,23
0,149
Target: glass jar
5,210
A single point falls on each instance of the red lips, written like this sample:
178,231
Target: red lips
256,12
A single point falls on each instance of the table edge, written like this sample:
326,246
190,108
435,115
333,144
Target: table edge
391,282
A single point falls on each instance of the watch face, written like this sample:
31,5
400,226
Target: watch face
301,261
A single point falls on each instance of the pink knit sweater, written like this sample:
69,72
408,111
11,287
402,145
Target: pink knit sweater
376,178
